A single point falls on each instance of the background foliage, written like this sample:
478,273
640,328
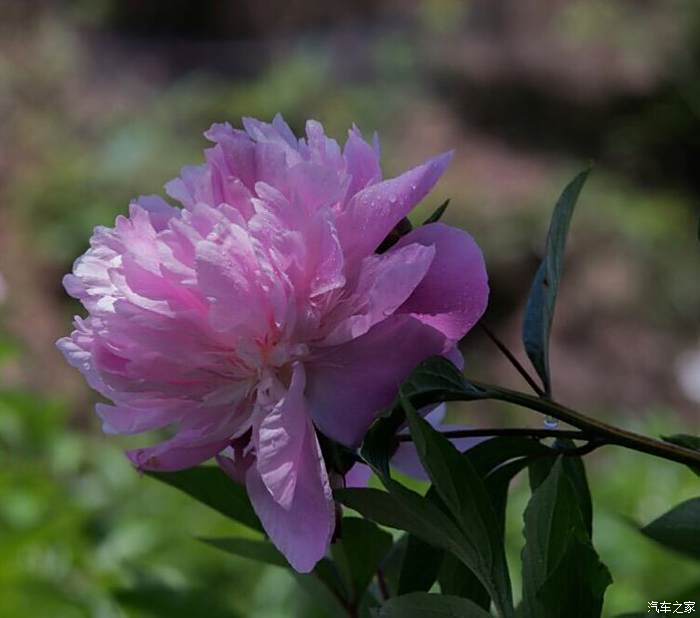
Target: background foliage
104,100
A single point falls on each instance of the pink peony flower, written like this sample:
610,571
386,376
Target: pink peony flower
260,312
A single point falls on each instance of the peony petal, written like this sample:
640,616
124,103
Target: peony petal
302,531
373,212
454,293
362,162
407,460
133,419
174,454
279,437
358,475
384,283
349,384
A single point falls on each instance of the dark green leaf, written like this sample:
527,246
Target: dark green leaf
424,605
686,441
491,453
679,529
362,547
393,563
409,511
578,567
437,214
576,473
463,492
419,569
559,562
497,461
338,458
541,302
457,580
406,510
209,485
157,600
324,581
260,551
497,484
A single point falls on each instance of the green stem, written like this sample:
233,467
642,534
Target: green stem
592,426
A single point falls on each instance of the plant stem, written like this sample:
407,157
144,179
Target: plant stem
508,431
511,358
594,428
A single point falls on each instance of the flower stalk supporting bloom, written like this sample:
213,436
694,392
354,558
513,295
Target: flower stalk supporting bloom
260,313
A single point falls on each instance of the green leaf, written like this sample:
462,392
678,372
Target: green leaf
157,600
491,453
393,563
324,579
463,492
404,509
559,562
260,551
576,473
541,302
423,605
210,486
457,580
437,214
359,552
686,441
679,529
420,566
497,461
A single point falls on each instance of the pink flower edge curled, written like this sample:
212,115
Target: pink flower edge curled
260,312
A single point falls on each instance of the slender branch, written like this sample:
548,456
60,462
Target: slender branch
507,431
601,431
512,359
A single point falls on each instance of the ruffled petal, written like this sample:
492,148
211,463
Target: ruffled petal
373,212
362,162
384,283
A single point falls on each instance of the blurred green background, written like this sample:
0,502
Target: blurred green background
103,100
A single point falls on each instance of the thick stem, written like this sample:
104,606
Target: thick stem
508,431
593,427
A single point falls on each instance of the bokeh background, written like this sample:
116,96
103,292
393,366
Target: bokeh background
103,100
